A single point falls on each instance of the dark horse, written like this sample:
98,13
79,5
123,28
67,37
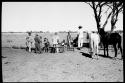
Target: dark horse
110,39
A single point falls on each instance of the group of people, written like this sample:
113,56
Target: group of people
55,41
92,38
44,45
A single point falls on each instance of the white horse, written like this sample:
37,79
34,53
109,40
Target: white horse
94,41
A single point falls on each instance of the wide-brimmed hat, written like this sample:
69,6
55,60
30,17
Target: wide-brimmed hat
80,27
29,32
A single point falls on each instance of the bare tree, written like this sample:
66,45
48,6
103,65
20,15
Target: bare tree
97,8
115,7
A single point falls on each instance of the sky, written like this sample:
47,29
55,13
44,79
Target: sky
49,16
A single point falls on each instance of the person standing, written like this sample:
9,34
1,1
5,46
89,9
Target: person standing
69,39
37,44
41,44
29,41
55,41
80,37
46,45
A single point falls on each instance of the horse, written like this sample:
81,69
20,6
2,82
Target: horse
94,41
110,39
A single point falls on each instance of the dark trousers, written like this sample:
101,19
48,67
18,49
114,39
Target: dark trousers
37,48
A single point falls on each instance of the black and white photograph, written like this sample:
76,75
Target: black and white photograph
62,41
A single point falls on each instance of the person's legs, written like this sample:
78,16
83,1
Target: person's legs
70,45
54,48
91,47
81,42
39,48
57,48
78,42
36,48
29,45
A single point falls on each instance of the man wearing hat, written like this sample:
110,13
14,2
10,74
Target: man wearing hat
80,37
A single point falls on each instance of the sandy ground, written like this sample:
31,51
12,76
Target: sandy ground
21,66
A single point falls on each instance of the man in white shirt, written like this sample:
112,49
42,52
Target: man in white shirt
80,37
29,41
55,41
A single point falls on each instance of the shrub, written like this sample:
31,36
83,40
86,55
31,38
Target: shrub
15,47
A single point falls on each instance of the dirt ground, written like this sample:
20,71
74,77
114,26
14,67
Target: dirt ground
70,66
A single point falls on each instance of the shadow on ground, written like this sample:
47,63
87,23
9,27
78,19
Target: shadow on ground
105,56
101,55
86,54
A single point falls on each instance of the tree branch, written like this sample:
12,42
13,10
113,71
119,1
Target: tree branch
106,20
90,5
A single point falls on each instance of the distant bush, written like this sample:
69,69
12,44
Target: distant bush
9,41
21,47
11,32
15,47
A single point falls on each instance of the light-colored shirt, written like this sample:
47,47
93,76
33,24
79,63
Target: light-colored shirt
29,39
80,32
55,39
69,38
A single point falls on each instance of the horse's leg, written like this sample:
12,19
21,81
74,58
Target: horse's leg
97,49
115,48
92,48
119,46
121,52
107,50
104,49
89,49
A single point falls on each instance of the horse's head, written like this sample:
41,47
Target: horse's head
101,32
